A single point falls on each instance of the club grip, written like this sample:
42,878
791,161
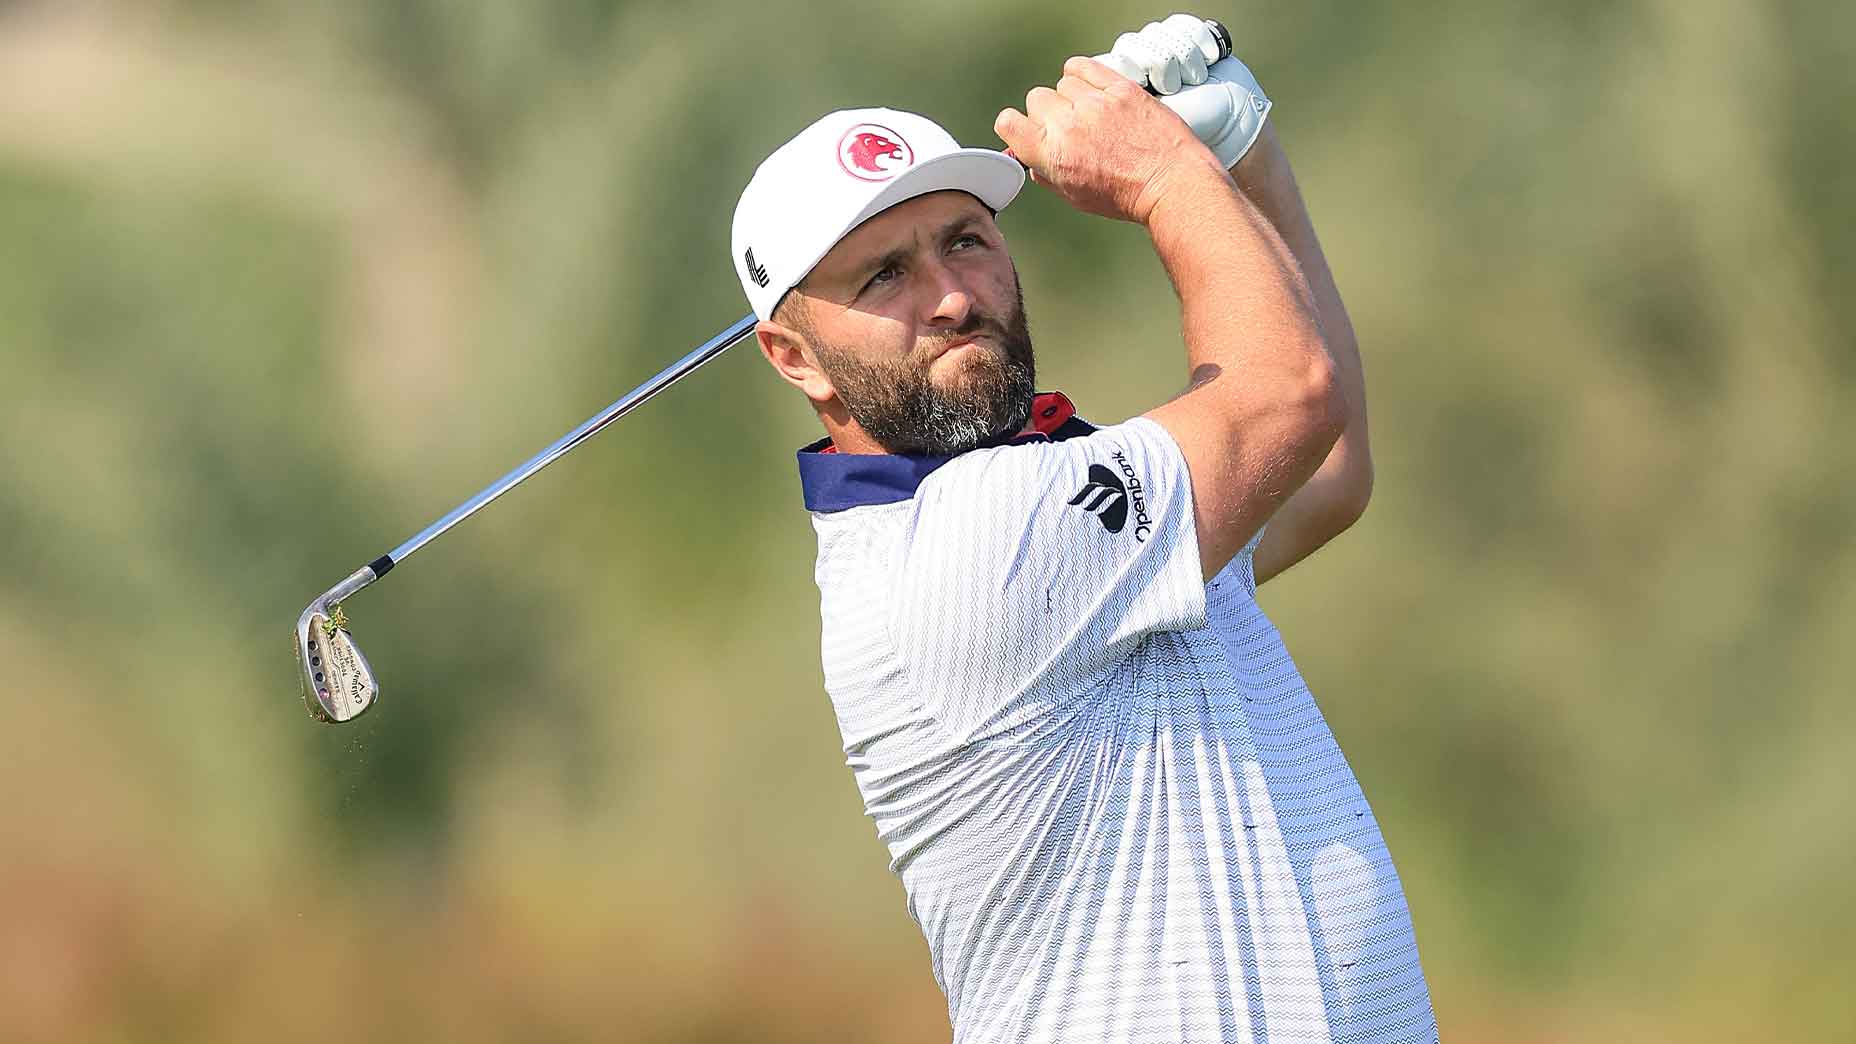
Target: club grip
1223,35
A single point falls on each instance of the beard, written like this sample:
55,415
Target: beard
900,406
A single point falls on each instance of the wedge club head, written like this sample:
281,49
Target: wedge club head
338,684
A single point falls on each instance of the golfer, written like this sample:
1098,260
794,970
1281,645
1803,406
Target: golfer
1114,807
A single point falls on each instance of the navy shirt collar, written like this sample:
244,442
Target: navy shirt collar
836,481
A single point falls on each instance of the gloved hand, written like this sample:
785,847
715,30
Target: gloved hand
1186,61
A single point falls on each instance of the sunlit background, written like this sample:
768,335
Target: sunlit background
281,282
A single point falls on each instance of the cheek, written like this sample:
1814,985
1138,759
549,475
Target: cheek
999,289
872,339
882,333
874,350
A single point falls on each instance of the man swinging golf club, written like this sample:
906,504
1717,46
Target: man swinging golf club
1115,808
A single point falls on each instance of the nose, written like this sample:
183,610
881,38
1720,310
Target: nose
952,301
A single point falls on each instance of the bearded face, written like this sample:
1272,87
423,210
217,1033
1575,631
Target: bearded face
906,410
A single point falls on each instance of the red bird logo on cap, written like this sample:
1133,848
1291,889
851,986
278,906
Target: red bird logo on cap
864,147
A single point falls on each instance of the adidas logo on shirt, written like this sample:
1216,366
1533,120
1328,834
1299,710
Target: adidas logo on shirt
1107,497
1104,497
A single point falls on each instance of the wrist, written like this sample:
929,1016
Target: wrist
1259,163
1185,186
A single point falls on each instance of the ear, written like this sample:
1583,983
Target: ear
791,357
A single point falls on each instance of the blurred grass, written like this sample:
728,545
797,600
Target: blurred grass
280,283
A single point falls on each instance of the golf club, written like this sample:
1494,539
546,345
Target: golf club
338,684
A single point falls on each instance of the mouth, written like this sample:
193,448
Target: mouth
965,345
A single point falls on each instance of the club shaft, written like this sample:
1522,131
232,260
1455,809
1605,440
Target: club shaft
633,399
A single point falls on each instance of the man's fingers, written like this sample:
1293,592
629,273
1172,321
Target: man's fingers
1076,88
1094,73
1041,101
1022,135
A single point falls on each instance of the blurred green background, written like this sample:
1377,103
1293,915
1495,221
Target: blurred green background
281,282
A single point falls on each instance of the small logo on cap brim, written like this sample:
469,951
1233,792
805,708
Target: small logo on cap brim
758,273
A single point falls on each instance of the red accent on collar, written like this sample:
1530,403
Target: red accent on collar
1049,410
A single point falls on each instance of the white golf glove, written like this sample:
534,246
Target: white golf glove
1179,60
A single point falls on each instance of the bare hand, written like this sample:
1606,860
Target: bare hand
1103,143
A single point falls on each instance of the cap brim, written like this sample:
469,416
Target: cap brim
992,176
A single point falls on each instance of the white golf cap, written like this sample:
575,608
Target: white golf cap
836,174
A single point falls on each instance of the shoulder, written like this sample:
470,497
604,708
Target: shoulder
1133,439
1111,472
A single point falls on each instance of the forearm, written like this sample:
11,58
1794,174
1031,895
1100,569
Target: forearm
1245,307
1266,179
1263,408
1335,496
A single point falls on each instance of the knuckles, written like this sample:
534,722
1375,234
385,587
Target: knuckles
1086,140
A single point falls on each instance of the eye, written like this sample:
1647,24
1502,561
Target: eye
886,274
965,240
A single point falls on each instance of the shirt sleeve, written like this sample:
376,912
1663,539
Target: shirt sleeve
1028,572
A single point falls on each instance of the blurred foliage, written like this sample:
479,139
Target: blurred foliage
280,283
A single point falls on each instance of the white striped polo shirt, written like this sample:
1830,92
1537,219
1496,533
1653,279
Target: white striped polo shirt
1115,809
